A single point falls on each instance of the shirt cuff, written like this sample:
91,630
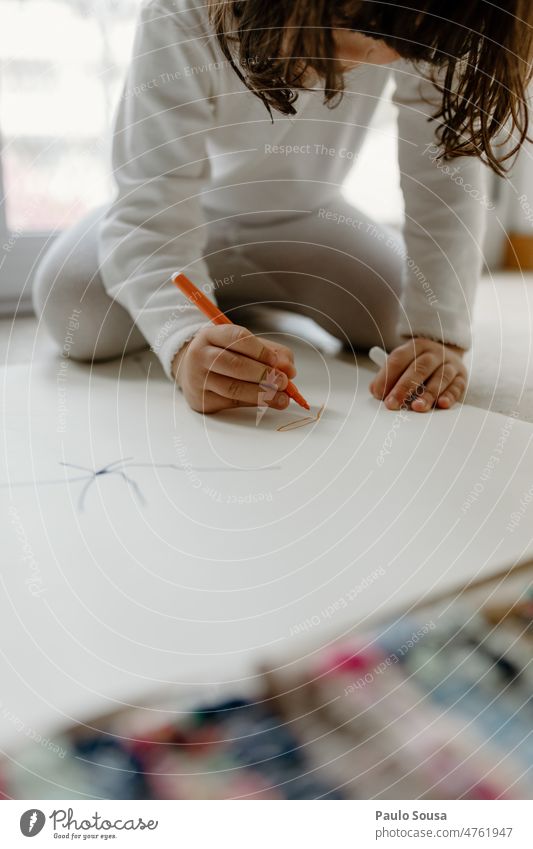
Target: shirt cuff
442,326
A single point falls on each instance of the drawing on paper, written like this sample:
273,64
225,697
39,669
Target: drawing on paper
307,420
121,468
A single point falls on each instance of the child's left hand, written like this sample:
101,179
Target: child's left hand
421,374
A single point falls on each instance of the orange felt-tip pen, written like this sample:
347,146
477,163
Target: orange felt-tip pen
213,313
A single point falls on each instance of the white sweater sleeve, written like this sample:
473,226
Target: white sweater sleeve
155,226
445,206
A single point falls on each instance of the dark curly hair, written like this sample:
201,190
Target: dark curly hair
482,49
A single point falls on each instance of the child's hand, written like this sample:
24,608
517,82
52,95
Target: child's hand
227,366
431,373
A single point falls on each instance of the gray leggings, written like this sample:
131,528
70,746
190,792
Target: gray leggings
340,269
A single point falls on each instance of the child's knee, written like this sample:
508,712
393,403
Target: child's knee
44,280
70,300
56,297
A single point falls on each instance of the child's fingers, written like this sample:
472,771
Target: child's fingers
387,377
412,378
210,402
454,393
435,386
239,340
245,393
240,367
285,357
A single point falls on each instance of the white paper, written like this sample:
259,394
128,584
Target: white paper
231,544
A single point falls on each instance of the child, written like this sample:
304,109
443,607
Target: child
237,126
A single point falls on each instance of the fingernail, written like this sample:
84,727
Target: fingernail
444,400
281,400
273,380
392,403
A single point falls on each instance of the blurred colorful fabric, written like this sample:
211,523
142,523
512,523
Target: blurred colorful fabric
428,708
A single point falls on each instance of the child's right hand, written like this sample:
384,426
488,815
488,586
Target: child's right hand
227,366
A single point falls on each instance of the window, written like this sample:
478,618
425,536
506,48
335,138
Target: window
61,67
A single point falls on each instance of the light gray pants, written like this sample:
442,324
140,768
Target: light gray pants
333,265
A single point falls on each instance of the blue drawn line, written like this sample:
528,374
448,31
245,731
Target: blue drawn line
117,468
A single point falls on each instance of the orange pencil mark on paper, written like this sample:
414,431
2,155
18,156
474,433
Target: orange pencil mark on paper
307,420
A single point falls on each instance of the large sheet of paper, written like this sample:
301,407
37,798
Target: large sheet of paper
144,543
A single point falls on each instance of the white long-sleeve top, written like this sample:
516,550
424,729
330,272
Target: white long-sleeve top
192,144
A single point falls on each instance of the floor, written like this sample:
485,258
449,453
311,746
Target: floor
500,362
